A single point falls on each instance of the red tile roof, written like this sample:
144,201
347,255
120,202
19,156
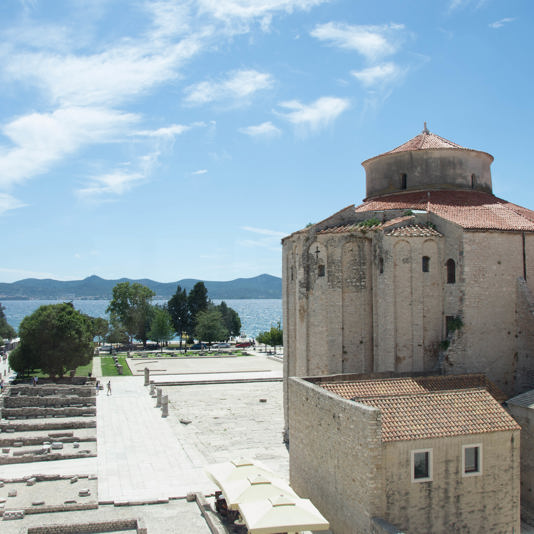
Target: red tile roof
408,230
440,414
473,210
413,230
424,141
373,387
430,406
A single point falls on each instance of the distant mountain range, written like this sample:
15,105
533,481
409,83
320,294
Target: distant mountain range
93,287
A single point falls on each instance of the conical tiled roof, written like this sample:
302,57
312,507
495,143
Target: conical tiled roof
424,141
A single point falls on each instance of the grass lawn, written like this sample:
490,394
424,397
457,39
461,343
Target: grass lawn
109,369
83,370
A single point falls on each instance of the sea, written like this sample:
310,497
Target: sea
257,315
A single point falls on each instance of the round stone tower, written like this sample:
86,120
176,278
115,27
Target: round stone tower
428,162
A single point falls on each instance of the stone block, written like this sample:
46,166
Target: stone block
12,493
31,481
76,445
13,514
73,480
85,492
38,503
57,445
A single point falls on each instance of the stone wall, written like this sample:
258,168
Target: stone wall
116,525
335,456
452,502
525,417
428,169
487,342
524,377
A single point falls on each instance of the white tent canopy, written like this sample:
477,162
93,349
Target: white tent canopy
237,470
254,489
282,514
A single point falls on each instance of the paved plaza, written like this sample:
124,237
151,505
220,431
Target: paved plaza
145,457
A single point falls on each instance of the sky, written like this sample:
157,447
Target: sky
180,139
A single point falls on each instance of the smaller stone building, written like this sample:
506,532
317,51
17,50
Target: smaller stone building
522,410
426,454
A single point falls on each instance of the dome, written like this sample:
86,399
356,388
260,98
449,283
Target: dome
428,162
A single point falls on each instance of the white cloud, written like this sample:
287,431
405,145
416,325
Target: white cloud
246,10
199,172
41,139
317,115
381,75
111,184
167,131
372,42
270,239
264,231
237,86
265,129
99,79
500,23
8,202
22,273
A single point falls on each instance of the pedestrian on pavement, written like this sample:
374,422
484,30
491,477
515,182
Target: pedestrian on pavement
109,387
97,386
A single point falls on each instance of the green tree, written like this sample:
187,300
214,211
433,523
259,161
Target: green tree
210,326
197,301
100,327
179,312
231,319
264,338
6,330
130,306
54,338
161,328
116,333
273,337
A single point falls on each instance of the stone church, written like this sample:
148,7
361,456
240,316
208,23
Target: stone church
431,275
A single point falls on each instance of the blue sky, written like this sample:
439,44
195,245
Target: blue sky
176,139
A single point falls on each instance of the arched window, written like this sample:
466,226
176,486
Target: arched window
426,264
451,271
473,181
404,180
381,265
320,270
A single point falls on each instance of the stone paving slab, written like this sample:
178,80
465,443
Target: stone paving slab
217,377
176,517
139,457
182,365
79,466
50,493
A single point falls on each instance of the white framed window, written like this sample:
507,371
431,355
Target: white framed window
472,460
421,465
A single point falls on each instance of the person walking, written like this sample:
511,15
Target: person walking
109,388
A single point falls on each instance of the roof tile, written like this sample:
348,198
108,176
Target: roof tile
474,210
440,414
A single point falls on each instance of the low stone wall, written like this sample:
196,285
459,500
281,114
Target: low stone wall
43,457
6,441
20,426
22,401
52,389
94,527
31,412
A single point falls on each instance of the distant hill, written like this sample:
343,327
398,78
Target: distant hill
263,286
